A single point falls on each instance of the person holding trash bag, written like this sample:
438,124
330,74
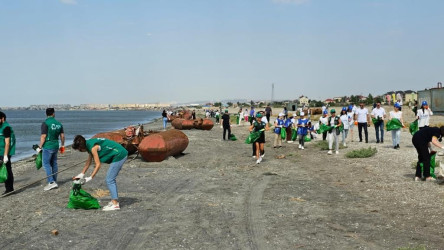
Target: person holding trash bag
423,115
345,120
378,114
7,149
396,133
421,140
351,122
102,150
51,130
302,129
333,134
226,123
324,120
259,125
278,125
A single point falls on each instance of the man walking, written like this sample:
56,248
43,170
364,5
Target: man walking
268,112
51,130
379,114
362,117
226,124
7,149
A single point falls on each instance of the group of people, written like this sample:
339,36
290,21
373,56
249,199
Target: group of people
100,150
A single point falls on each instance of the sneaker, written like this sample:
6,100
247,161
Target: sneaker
289,141
262,156
50,186
430,179
329,152
259,160
345,144
254,156
417,178
337,152
111,207
300,146
377,141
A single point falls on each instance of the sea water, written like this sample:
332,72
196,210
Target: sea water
27,125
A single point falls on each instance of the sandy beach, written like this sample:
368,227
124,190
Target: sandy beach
215,196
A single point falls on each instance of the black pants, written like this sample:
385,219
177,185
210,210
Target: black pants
324,136
229,131
423,157
268,117
360,126
9,183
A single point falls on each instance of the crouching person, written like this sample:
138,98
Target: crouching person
102,150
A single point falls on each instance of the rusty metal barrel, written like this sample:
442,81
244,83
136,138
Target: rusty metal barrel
177,123
157,147
187,124
207,124
119,136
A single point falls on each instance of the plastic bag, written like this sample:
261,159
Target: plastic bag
277,130
79,198
432,164
233,137
253,137
307,138
283,134
294,134
413,128
393,124
323,128
38,161
3,173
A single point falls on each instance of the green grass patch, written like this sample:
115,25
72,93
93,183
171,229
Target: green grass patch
362,153
323,145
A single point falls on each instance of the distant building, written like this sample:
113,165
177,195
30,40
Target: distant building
328,101
303,101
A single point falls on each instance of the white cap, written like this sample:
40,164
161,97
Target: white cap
281,114
302,114
294,115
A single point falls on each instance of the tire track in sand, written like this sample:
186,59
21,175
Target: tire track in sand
255,226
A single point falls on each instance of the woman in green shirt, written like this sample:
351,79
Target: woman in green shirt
106,151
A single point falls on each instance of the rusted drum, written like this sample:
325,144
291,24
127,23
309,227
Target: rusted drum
157,147
187,124
207,124
177,123
119,136
187,115
197,123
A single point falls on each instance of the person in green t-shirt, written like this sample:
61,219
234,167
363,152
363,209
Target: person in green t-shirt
51,130
106,151
7,149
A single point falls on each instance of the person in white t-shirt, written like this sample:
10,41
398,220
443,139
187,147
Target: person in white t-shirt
396,134
363,118
351,113
423,115
379,114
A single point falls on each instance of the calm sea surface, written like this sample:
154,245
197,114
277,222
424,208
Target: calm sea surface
26,125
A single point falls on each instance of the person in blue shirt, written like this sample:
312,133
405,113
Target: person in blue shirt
278,125
302,129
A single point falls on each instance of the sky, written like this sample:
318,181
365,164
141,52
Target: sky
148,51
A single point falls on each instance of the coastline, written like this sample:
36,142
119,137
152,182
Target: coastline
214,195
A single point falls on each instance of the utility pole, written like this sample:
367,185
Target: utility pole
272,92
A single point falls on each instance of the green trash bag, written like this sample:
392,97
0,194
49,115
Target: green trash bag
3,173
283,134
237,119
233,137
432,164
38,161
294,134
79,198
253,137
307,138
323,128
413,128
393,124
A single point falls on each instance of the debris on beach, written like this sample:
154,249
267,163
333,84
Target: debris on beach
157,147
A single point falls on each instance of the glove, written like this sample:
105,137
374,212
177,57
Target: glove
5,159
79,176
442,147
88,179
38,150
62,149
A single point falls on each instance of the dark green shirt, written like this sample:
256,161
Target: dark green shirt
52,128
3,137
110,151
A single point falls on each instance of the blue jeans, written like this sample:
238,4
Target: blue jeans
379,126
111,175
396,135
165,120
49,159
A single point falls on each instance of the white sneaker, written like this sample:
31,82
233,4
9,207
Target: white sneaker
111,207
50,186
254,156
329,152
345,145
300,146
259,160
262,156
337,152
289,141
